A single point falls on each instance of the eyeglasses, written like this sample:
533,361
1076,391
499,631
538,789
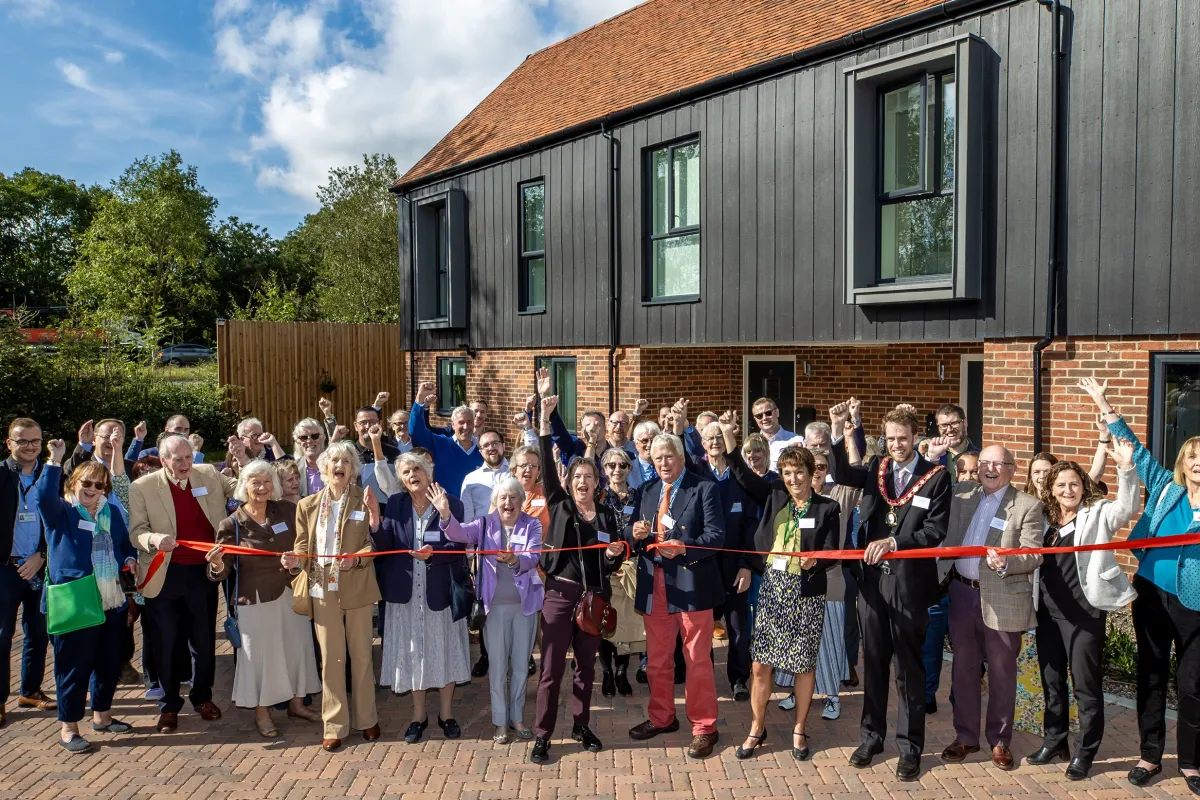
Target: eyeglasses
764,414
821,468
995,464
645,441
490,445
524,466
26,442
711,439
945,426
86,484
308,437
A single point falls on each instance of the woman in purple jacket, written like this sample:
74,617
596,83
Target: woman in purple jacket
511,591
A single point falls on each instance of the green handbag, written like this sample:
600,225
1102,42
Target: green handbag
72,606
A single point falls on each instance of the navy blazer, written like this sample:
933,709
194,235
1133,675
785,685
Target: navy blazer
693,580
70,546
395,572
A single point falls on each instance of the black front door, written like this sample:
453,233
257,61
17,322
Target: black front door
776,380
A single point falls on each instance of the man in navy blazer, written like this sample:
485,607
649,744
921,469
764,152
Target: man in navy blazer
678,586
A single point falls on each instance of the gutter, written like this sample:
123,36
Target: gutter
942,12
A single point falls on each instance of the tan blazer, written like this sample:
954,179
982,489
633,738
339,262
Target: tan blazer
357,587
1007,602
151,511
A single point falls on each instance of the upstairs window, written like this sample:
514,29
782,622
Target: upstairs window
674,246
532,277
440,239
451,384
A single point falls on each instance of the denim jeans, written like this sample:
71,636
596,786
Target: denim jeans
935,638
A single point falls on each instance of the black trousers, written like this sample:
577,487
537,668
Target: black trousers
1158,620
88,660
889,633
186,607
1078,645
736,613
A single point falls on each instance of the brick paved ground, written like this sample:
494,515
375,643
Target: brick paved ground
227,759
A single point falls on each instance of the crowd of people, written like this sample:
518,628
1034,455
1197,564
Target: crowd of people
635,539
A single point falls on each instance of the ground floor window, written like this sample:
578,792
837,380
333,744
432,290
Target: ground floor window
1175,403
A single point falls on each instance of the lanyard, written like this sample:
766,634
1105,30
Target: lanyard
793,526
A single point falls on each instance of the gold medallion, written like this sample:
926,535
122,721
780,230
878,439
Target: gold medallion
891,518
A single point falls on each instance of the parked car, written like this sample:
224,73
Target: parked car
178,355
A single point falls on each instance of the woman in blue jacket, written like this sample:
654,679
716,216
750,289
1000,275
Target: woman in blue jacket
1167,607
85,536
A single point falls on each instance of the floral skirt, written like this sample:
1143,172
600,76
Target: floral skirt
787,627
1031,703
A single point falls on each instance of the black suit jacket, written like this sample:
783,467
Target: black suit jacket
912,583
693,580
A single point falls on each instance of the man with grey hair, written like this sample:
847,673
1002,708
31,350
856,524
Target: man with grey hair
455,456
643,470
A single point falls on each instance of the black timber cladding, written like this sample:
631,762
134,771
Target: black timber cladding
772,177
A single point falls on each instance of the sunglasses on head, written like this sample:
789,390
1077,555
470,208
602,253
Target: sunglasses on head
86,484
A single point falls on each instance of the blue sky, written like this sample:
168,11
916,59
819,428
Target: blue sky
262,97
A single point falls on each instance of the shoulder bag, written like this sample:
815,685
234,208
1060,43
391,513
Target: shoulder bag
594,615
72,605
233,634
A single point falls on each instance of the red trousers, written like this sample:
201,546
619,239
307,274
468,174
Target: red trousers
700,691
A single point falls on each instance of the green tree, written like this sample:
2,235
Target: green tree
353,237
42,220
146,256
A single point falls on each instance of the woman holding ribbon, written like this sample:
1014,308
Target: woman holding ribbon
791,601
424,647
1167,608
1077,592
275,659
335,584
85,537
511,591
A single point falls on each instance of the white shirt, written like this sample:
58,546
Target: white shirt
977,533
476,494
327,539
779,440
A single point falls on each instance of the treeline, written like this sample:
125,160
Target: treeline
146,257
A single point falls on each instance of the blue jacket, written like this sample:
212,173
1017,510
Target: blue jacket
395,572
451,464
740,513
1162,495
69,547
693,580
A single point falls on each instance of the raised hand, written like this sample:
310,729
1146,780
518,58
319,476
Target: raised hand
326,407
938,446
196,441
426,392
139,431
339,433
381,399
531,404
375,433
549,403
909,407
439,499
838,416
520,420
372,504
56,448
87,433
267,440
544,383
640,407
1121,453
1098,391
117,440
855,408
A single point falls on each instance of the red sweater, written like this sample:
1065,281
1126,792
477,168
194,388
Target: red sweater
190,524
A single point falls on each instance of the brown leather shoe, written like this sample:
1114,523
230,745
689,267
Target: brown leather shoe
852,681
208,711
329,745
702,745
646,730
372,733
2,718
1002,757
957,751
39,700
167,722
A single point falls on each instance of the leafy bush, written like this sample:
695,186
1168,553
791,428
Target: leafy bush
1120,656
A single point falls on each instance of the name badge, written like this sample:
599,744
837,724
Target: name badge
737,508
279,527
668,521
828,478
1067,530
85,525
603,537
537,502
998,523
779,563
920,502
26,516
199,491
432,535
808,524
315,591
627,510
1195,515
358,516
519,538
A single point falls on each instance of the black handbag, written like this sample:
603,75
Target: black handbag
462,595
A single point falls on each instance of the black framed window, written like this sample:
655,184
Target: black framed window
451,384
440,240
916,178
674,225
562,373
1175,403
532,277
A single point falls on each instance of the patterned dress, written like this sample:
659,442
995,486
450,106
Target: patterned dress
787,627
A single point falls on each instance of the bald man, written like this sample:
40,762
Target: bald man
991,600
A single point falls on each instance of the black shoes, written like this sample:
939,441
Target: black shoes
623,687
540,753
742,753
1140,776
415,731
583,734
481,667
908,768
450,728
800,753
1079,768
608,686
640,675
931,706
532,666
1047,755
740,693
1193,783
864,755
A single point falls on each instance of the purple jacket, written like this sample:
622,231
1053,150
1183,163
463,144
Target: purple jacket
527,535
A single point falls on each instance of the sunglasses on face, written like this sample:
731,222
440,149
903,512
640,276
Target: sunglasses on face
308,437
764,414
86,484
616,465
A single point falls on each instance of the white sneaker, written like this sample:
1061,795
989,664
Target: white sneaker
833,708
788,703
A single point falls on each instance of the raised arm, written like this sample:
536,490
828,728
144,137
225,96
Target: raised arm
1116,515
1154,475
52,507
1100,457
418,426
555,493
841,468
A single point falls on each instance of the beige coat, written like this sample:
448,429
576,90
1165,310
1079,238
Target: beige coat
357,586
1007,602
151,511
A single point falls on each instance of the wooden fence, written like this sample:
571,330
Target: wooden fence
278,369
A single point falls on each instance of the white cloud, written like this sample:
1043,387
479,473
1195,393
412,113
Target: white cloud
75,75
114,56
327,98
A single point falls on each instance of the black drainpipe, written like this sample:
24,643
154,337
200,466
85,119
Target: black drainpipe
1055,217
412,302
614,267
